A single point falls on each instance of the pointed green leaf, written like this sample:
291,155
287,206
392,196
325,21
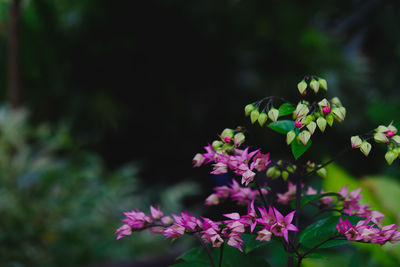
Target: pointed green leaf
282,127
298,149
286,109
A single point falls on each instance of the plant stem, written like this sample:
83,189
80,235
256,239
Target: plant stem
302,256
260,192
341,153
206,248
221,253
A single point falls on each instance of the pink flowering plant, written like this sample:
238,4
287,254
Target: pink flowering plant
241,234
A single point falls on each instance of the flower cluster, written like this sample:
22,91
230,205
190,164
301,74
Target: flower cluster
289,195
241,162
215,232
367,232
352,206
240,194
383,134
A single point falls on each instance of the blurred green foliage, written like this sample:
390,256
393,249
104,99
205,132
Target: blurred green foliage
59,205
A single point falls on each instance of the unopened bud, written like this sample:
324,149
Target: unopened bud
228,147
336,101
290,169
248,109
322,172
309,119
304,136
301,110
355,141
381,129
337,114
270,172
279,162
380,138
311,127
396,138
273,114
302,86
238,139
227,133
392,128
329,119
285,175
389,133
365,148
217,144
326,110
262,119
254,116
321,122
314,85
290,137
198,160
298,124
323,103
390,156
323,84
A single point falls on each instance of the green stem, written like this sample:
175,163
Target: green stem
221,253
260,192
206,248
302,256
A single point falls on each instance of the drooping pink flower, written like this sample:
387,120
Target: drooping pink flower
287,196
235,240
136,219
283,224
260,161
186,220
212,199
247,177
198,160
220,168
264,235
267,218
124,230
174,231
156,214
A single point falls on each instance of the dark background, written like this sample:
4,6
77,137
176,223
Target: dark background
152,82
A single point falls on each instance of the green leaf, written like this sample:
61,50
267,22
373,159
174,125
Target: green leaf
286,109
298,148
307,199
316,256
251,243
198,256
234,258
282,127
324,229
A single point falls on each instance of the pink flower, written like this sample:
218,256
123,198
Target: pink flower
247,177
267,218
264,235
220,168
156,214
212,200
260,161
186,220
213,237
236,241
167,220
198,160
283,225
174,231
136,219
289,195
124,230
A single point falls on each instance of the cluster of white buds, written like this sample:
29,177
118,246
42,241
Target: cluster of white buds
228,140
308,116
383,134
281,169
312,82
262,117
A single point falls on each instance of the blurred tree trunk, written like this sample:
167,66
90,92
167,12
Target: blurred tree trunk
14,82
